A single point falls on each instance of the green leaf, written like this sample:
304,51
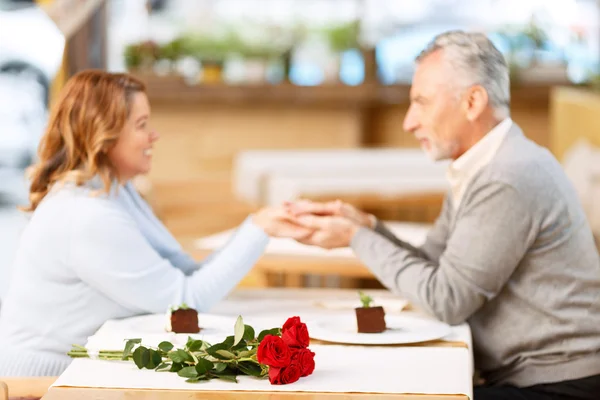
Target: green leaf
163,367
155,359
248,333
166,346
176,367
238,330
227,354
247,353
129,346
182,306
213,351
228,342
188,372
274,331
228,378
194,345
250,368
242,345
220,367
365,299
180,356
204,366
141,357
197,379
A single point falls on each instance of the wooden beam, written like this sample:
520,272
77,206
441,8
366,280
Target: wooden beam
70,15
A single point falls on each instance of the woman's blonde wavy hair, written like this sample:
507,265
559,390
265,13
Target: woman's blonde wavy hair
84,124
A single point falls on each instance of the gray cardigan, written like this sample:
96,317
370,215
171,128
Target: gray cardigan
516,260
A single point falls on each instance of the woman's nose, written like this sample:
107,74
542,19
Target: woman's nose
154,136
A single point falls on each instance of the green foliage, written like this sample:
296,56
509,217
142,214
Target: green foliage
198,360
365,299
344,36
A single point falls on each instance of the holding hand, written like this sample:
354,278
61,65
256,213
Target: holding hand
278,222
330,232
332,208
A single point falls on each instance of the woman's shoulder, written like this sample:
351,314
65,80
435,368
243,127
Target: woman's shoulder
83,204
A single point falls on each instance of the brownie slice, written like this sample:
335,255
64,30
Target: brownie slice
370,319
185,321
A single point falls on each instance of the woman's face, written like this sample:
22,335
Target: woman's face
132,154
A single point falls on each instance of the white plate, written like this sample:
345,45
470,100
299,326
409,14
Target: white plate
151,329
156,324
400,329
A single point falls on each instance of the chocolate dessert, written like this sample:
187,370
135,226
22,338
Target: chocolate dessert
370,319
184,320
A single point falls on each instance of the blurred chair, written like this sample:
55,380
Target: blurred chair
582,165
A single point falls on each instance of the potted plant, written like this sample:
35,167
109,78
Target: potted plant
141,56
369,319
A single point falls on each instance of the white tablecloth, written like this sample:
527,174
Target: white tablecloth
340,368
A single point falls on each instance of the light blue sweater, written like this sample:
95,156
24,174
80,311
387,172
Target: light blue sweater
84,259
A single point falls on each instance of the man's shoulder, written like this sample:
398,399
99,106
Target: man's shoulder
522,163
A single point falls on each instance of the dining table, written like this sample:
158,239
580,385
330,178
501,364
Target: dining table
420,358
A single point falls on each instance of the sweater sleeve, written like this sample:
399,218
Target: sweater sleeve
110,254
484,248
435,243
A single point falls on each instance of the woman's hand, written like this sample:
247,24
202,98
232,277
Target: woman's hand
278,222
332,208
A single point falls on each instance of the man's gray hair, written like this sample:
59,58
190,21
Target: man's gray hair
477,62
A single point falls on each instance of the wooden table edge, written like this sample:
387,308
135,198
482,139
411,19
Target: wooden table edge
72,393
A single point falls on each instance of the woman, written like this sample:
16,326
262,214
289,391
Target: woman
93,250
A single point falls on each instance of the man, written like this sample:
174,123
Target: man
511,252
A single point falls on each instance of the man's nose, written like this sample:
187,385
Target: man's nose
410,123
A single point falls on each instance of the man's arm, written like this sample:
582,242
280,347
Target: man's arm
487,243
434,245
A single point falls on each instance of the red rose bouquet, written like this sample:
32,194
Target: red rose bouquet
287,355
281,353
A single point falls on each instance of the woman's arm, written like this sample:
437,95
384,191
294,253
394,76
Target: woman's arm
109,252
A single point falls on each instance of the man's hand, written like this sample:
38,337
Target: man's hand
330,232
277,222
332,208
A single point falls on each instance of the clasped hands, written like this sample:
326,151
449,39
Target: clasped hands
328,225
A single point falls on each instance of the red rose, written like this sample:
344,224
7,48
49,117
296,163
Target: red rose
273,351
295,333
306,359
285,375
292,321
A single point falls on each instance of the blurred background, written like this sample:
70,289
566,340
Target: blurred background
261,101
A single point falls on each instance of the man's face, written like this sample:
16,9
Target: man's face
435,115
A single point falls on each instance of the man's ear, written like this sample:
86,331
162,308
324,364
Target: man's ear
475,103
